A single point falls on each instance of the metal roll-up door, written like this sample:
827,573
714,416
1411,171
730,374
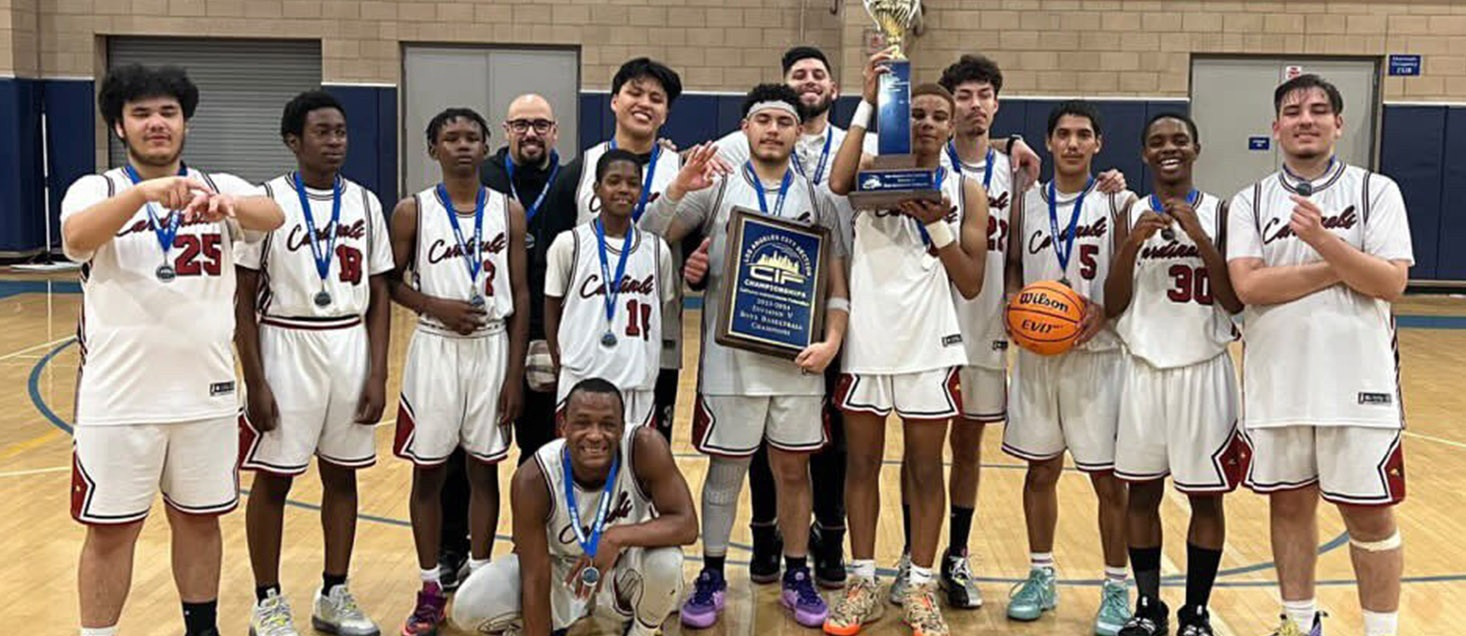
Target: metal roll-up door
243,87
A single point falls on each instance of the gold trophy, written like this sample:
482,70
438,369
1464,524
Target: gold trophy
894,18
894,177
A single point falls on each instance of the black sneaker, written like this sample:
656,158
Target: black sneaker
957,581
1194,622
828,548
452,569
1151,618
768,548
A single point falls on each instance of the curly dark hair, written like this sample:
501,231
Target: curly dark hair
132,82
773,93
1181,117
441,119
641,67
972,68
292,121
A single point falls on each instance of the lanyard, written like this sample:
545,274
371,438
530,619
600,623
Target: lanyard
323,262
533,208
471,260
588,544
613,286
1191,197
819,169
646,182
1068,237
758,187
926,239
987,168
164,233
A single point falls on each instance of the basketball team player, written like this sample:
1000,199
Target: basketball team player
1172,300
315,375
459,250
904,347
1063,231
156,401
605,285
642,93
599,516
1318,251
746,398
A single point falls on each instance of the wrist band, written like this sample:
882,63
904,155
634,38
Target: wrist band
838,304
862,115
940,233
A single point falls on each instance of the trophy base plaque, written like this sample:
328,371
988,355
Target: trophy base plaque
884,188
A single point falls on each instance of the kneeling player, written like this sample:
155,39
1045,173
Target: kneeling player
461,381
1178,403
603,512
591,330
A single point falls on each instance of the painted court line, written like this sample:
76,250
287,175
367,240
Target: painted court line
16,354
33,471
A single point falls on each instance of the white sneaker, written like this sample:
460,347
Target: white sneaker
271,617
338,613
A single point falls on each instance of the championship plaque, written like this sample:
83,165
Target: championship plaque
774,285
895,177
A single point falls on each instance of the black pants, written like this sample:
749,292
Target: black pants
534,428
826,469
665,400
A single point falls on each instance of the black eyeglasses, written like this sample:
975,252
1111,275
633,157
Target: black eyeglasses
521,126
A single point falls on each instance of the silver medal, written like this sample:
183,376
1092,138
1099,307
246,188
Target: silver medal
608,339
476,301
323,298
590,576
166,273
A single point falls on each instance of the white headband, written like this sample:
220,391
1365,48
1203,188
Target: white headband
776,105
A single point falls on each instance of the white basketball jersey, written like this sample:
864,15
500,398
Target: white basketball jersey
902,316
438,267
1093,246
290,280
630,504
1172,320
152,351
632,363
1328,358
981,319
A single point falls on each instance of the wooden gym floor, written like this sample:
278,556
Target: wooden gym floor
37,377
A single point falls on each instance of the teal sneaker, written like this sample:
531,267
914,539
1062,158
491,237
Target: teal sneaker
1114,609
1031,598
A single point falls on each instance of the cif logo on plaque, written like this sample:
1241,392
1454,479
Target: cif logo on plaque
895,176
779,260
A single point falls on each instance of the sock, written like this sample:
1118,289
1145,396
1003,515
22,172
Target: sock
1201,574
1301,612
714,563
1147,565
99,631
200,618
792,563
1381,623
959,527
905,529
431,575
475,564
262,592
864,568
1116,576
918,576
330,581
1038,560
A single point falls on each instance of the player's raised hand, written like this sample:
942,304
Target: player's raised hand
1092,322
1147,225
456,314
926,211
210,208
1110,182
173,193
875,67
260,408
697,264
816,357
701,168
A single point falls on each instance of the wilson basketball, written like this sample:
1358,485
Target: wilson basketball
1044,317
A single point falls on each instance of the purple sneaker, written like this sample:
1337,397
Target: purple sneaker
799,595
706,602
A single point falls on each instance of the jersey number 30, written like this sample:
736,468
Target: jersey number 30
1191,283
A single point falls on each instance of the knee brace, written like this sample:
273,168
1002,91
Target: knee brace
1391,542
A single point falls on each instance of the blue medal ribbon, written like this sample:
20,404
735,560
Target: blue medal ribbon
591,543
533,208
1068,237
1299,179
323,262
472,260
613,287
646,182
167,233
758,187
926,239
987,167
1191,197
819,169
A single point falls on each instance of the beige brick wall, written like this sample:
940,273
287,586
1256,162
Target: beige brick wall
1047,47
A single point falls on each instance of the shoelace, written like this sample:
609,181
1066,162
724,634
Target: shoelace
1115,598
858,599
1193,630
276,616
924,609
805,589
347,604
1142,622
1029,588
961,572
703,590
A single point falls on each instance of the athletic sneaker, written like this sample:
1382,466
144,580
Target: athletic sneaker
338,613
860,605
957,582
706,601
828,549
271,617
901,584
452,570
1027,601
1151,617
768,550
1290,628
923,614
429,614
1193,622
799,595
1114,609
